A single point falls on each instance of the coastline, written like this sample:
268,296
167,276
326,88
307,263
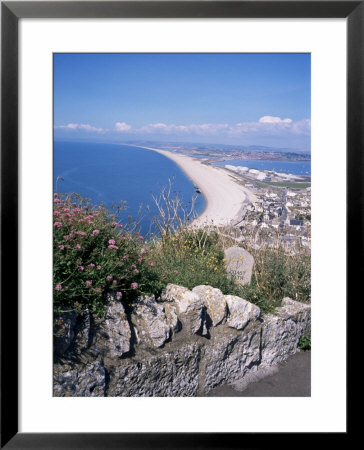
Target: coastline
225,198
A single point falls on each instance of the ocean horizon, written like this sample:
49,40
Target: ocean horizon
114,173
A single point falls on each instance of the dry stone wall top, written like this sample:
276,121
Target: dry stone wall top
184,343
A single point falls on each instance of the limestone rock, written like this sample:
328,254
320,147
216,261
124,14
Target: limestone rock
241,312
79,380
165,374
172,318
151,322
82,332
214,301
189,306
300,312
112,334
64,325
239,264
281,332
230,356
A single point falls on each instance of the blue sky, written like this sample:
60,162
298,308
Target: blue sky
245,99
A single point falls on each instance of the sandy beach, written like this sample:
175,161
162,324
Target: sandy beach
225,198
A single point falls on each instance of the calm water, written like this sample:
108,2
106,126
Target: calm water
108,173
294,167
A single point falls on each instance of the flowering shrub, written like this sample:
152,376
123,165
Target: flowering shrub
93,254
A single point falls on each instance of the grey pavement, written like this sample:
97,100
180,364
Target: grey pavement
292,379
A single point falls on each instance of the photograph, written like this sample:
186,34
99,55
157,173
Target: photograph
181,224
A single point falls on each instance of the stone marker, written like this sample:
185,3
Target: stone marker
239,264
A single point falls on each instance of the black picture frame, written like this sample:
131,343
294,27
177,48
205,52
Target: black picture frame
11,12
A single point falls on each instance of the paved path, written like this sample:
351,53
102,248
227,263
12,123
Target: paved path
293,379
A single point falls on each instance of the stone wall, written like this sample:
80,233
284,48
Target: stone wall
183,344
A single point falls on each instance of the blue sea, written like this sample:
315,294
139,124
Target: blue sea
295,167
111,173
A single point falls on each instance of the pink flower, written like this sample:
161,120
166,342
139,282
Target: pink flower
58,287
111,242
88,283
151,264
78,246
133,266
95,232
81,268
113,247
120,226
114,282
92,265
81,233
56,213
134,285
140,259
61,247
119,295
57,224
67,237
98,267
55,194
175,272
136,271
114,224
56,200
141,238
109,278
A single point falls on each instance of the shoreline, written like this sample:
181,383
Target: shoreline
225,199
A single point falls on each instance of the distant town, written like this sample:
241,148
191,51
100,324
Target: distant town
281,215
221,152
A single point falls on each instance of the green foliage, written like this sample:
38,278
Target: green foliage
305,342
191,258
278,274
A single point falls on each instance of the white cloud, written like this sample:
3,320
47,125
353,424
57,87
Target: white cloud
122,127
272,119
199,129
265,126
80,126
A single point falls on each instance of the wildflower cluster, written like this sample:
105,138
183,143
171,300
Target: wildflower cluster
94,254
